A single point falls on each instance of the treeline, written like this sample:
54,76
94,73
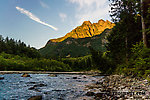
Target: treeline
11,46
128,44
9,62
80,63
17,56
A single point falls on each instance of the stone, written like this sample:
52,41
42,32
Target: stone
74,78
98,95
31,88
90,94
1,78
52,75
35,98
40,85
25,75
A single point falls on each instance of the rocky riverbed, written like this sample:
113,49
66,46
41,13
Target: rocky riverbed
45,86
72,87
118,87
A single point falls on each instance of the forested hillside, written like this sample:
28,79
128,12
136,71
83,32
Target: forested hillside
71,47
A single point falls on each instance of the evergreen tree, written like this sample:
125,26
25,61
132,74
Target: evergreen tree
127,29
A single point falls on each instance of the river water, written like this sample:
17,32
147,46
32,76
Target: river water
62,87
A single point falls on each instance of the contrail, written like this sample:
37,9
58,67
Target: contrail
33,17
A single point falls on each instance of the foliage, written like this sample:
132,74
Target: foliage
124,46
127,30
101,62
121,39
15,47
80,63
15,62
139,62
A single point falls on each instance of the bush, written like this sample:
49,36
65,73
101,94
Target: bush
139,62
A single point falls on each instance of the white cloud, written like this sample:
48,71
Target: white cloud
44,5
35,18
92,10
63,16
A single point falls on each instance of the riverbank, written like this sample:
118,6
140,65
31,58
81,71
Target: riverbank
116,87
47,72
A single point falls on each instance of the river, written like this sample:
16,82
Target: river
61,87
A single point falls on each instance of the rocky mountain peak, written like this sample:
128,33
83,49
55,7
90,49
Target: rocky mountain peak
87,29
87,23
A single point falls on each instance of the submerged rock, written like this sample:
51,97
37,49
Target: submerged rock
74,78
35,87
1,78
40,85
25,75
35,98
90,94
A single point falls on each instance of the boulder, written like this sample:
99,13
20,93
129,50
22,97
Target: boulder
74,77
90,94
1,78
35,98
25,75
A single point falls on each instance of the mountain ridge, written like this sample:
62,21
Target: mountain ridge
87,29
72,47
77,42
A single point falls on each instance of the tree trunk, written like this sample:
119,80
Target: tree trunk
126,42
143,26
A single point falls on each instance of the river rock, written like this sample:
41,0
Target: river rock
52,75
31,88
25,75
40,85
90,93
35,98
1,78
74,78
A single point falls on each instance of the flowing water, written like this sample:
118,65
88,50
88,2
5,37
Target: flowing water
62,87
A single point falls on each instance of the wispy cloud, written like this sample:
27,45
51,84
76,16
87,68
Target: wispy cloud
92,10
44,5
35,18
63,16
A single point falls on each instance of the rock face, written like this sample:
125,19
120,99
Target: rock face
87,29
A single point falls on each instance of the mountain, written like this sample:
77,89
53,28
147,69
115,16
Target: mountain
87,29
77,42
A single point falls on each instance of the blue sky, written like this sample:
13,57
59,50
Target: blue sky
36,21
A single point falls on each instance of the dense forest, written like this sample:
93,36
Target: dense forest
11,46
128,47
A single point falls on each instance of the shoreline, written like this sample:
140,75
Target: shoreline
48,72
